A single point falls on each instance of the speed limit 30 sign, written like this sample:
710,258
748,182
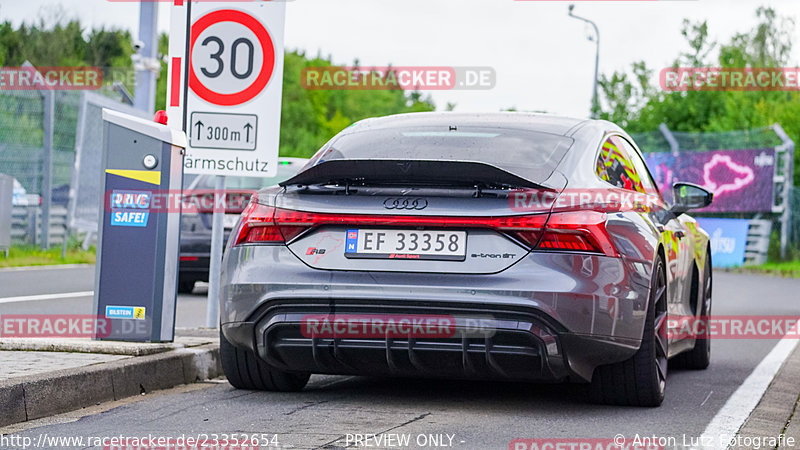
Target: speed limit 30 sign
233,74
225,85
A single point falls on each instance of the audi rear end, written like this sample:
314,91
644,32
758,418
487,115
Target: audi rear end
438,245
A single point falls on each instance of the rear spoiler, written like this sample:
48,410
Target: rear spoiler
395,171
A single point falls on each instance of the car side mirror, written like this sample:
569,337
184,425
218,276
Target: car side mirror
688,196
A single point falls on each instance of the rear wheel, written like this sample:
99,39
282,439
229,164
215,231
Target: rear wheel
245,370
700,356
640,380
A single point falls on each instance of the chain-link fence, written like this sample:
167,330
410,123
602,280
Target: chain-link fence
22,133
22,153
656,141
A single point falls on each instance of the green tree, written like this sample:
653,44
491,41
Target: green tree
161,83
628,99
63,44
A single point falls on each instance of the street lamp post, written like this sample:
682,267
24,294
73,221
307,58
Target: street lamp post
145,58
595,104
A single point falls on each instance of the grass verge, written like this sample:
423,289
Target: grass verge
28,255
790,269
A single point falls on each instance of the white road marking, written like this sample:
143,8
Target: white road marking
707,397
45,267
33,298
737,409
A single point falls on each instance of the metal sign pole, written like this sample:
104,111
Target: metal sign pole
47,166
786,197
146,61
215,265
186,58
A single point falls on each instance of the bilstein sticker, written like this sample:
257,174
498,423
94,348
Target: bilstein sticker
125,312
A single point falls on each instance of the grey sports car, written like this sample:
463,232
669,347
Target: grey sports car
503,246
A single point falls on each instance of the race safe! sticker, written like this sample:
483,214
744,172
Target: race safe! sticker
130,208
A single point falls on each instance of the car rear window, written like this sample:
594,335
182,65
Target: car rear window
528,154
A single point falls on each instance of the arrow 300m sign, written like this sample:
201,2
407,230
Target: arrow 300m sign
234,99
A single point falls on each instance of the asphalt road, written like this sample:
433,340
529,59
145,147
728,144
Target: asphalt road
475,414
52,283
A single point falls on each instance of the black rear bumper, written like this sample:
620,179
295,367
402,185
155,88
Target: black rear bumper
522,345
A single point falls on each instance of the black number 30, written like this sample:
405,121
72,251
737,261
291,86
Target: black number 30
234,51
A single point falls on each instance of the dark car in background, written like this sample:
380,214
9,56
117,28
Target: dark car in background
196,225
480,223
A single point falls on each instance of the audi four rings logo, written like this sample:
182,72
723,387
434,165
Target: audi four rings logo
405,203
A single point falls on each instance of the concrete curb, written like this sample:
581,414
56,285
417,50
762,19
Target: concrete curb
37,396
85,345
778,411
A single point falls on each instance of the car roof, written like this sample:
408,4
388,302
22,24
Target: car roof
544,123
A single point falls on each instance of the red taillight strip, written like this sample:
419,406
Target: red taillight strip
290,223
587,227
285,217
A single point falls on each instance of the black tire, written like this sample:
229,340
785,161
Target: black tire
245,370
640,380
185,286
700,356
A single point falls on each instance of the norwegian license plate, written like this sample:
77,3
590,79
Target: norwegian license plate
406,244
229,220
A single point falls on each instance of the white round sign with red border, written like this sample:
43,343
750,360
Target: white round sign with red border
235,71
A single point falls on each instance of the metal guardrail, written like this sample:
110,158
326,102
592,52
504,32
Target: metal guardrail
757,246
26,225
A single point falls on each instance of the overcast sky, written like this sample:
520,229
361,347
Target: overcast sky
541,56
